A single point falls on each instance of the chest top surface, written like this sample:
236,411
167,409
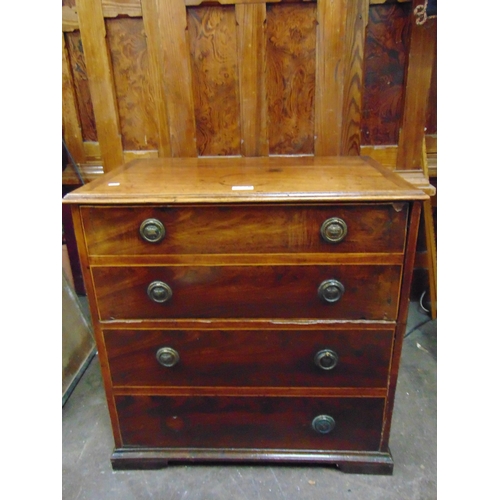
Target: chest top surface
247,180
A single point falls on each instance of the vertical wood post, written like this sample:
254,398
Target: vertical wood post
417,85
252,78
175,62
100,74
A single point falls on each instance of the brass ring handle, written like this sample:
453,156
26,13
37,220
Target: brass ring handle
323,424
152,231
334,230
159,292
167,356
326,359
331,291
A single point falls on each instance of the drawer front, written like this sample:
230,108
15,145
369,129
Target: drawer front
370,292
243,230
341,358
251,422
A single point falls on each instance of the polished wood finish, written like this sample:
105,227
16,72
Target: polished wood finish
254,358
245,324
245,422
371,292
257,180
245,230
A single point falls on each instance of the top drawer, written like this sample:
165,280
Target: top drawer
247,229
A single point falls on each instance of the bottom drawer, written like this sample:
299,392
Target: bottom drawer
300,423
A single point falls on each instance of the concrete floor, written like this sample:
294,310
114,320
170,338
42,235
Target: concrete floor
87,444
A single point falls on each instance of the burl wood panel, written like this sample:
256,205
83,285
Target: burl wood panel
80,81
136,106
213,50
280,291
246,422
244,230
266,358
291,74
386,49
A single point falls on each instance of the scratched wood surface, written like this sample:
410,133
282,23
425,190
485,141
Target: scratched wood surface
213,51
386,48
291,45
134,93
81,85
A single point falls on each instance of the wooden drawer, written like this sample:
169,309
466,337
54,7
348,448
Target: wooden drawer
249,422
279,358
244,229
370,292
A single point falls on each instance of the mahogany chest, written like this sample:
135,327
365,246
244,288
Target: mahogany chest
249,309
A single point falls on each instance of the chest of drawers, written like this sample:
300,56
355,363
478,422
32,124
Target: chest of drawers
249,309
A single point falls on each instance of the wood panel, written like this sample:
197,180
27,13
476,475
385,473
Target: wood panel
330,63
249,422
291,41
213,50
271,230
101,83
356,21
251,20
384,71
270,358
81,86
70,119
134,92
418,81
204,292
174,59
151,29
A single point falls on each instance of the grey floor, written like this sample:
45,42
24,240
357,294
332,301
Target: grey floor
87,444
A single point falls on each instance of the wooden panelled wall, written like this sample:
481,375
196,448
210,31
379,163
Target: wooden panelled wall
148,78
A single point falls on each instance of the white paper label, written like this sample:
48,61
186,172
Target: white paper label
242,188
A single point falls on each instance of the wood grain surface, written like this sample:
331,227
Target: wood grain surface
278,179
213,51
271,358
134,93
252,68
253,291
174,59
81,85
102,89
387,43
244,230
291,44
71,122
245,422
